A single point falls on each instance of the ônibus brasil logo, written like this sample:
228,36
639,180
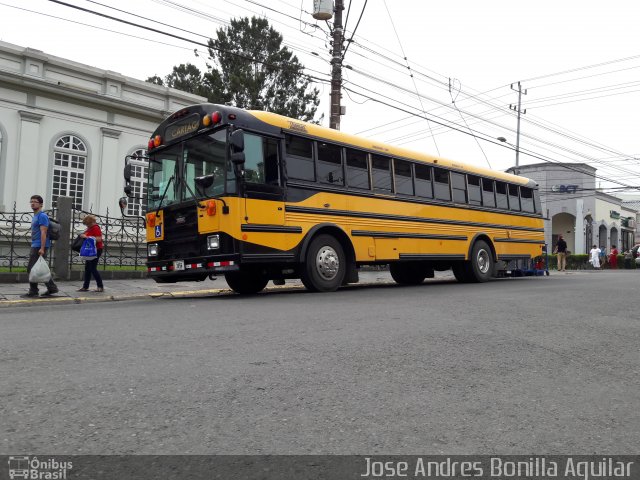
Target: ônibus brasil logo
33,468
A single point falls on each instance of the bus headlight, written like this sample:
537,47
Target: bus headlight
152,250
213,242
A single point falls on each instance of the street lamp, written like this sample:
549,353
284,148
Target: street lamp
504,140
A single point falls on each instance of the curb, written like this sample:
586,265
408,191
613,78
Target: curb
155,295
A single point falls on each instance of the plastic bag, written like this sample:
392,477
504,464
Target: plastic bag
40,272
88,251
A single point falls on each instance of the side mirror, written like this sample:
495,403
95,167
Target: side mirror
237,141
123,204
127,190
127,172
205,181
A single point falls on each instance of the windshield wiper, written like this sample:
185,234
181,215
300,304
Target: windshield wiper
171,178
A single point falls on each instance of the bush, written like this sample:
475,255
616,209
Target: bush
581,262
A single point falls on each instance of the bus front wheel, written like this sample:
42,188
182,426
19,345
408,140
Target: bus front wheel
325,265
246,283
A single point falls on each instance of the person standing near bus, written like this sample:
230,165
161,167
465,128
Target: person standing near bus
40,243
561,251
613,257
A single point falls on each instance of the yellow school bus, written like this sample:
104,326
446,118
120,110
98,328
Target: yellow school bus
256,196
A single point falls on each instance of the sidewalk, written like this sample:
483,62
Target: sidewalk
131,289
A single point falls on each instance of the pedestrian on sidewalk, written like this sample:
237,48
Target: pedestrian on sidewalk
40,243
561,252
613,257
595,257
91,266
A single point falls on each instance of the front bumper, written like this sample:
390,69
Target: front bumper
192,268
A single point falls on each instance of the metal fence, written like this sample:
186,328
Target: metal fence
124,239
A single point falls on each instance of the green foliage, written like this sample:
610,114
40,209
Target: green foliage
581,262
250,69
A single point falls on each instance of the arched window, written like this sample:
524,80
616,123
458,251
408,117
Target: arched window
139,170
69,166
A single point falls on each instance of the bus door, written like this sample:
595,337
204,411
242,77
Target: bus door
263,193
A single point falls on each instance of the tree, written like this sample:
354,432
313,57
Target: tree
185,77
250,69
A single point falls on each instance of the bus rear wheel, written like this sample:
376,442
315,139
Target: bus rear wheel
481,265
245,282
407,273
325,264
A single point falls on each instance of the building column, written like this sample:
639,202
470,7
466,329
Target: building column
108,174
579,235
25,178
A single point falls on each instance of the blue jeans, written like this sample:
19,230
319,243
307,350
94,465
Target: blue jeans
91,268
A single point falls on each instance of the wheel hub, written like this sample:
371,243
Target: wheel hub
483,261
327,263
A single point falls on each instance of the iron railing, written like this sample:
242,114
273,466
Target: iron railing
124,239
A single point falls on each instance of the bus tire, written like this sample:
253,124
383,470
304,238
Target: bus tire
245,282
325,264
481,264
407,273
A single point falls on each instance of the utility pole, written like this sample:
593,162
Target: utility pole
336,66
520,111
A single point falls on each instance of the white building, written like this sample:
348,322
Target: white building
576,209
65,129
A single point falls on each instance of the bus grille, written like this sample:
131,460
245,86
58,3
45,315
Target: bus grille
181,234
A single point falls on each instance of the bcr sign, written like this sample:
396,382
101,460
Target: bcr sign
565,188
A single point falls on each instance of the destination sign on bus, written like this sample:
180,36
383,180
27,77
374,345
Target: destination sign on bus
185,126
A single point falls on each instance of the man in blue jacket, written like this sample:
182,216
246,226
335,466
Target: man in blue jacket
40,243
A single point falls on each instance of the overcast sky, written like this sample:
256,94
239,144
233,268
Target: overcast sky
578,60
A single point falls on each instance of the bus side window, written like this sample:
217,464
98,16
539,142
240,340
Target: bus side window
488,196
475,195
537,205
357,169
402,171
458,187
526,196
329,165
514,199
381,172
441,184
299,158
254,168
271,164
424,188
501,195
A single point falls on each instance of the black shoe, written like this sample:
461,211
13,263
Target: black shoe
29,295
49,293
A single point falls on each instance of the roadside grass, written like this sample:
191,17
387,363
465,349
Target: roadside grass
108,268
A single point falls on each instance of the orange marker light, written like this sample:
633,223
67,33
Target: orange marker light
211,208
151,219
206,120
157,141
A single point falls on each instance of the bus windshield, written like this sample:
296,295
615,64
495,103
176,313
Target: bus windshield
172,171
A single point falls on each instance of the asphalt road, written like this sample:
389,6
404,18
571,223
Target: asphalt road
524,366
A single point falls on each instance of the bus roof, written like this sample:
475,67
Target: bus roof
299,126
